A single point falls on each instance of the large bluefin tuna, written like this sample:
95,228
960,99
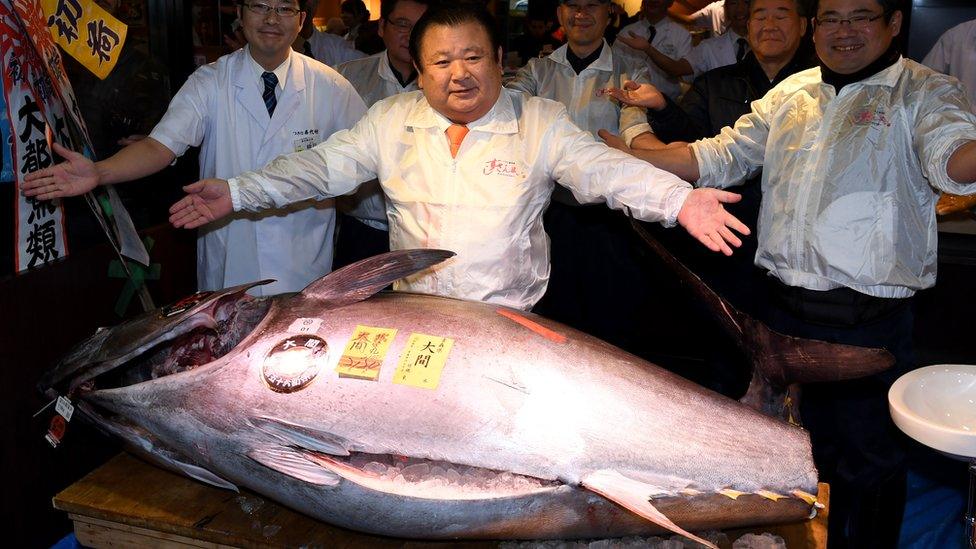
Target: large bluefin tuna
481,422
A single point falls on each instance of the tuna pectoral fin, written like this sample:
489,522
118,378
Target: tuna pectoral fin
294,464
203,475
634,496
364,278
293,434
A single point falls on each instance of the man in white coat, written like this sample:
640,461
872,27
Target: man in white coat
245,109
468,166
363,228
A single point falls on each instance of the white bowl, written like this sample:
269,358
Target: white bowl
936,406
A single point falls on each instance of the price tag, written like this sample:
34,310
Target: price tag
55,431
423,360
365,352
305,325
64,408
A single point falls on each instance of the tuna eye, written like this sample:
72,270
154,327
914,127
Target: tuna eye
294,362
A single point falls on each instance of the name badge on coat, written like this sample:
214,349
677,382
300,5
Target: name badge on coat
305,139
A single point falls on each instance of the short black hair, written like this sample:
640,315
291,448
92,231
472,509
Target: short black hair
453,16
387,6
888,7
355,7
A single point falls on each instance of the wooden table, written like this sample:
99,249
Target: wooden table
127,503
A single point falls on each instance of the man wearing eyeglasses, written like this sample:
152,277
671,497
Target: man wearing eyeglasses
243,110
853,154
363,228
598,282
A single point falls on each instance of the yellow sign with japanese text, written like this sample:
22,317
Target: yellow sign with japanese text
422,361
86,32
365,352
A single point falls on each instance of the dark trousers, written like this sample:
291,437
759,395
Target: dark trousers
856,447
356,241
600,280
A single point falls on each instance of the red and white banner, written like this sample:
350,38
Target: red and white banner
40,99
33,113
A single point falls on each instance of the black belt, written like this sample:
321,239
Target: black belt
842,307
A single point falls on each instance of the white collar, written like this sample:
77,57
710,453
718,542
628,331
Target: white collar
604,62
281,71
500,119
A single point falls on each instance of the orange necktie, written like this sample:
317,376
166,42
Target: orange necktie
455,135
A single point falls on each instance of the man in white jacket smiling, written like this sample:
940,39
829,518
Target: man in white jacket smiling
467,166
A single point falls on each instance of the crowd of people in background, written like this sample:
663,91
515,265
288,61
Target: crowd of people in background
837,145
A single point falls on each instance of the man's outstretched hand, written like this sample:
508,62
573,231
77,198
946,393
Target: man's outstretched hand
206,200
75,176
703,216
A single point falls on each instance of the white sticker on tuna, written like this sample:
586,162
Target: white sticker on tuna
305,325
64,408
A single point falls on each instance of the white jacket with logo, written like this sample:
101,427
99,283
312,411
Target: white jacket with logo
486,205
849,180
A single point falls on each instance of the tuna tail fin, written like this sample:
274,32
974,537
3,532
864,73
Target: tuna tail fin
364,278
634,496
778,360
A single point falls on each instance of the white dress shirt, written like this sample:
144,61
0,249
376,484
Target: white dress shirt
671,39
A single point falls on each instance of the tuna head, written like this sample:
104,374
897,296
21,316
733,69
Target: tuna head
114,376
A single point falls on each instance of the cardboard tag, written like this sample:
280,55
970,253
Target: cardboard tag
423,360
305,325
365,352
64,408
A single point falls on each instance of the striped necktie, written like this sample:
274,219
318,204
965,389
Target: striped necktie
270,82
740,52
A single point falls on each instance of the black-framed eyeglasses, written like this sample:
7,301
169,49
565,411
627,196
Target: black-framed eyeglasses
280,11
858,22
401,25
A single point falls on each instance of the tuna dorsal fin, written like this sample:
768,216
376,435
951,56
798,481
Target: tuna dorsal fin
292,434
293,463
364,278
779,359
634,496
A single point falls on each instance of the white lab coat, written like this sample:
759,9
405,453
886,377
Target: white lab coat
486,204
955,54
711,17
220,109
848,178
332,49
374,80
553,77
715,52
671,39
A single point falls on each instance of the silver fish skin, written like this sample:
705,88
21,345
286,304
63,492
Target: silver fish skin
556,406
